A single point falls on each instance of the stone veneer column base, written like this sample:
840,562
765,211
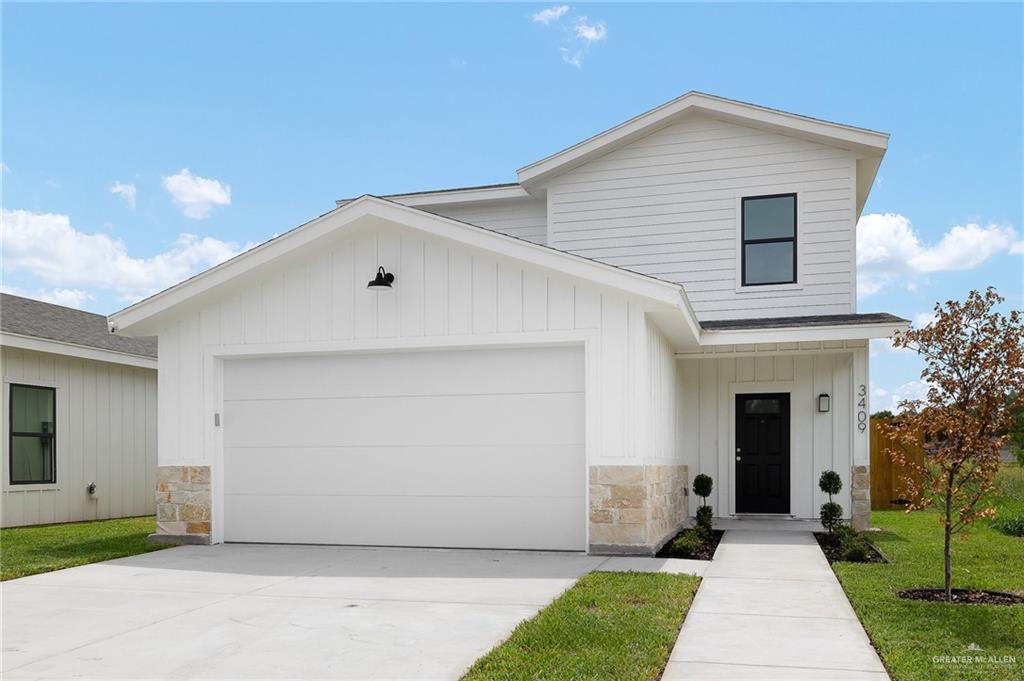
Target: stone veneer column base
860,491
634,510
182,505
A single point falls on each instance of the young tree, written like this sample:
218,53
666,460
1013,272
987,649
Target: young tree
974,360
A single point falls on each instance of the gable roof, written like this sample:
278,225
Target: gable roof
132,319
861,140
30,318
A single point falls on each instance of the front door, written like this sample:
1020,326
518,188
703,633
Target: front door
762,453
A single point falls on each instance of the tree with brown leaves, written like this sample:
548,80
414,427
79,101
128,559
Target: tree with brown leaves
974,362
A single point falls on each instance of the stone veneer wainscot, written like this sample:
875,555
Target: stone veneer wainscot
635,509
182,505
860,490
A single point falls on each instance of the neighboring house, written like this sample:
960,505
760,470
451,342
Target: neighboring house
79,415
554,360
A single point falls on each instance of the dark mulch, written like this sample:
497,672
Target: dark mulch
963,596
832,550
705,552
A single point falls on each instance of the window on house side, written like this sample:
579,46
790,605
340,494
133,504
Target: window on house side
769,239
33,428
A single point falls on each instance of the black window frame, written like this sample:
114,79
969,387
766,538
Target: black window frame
11,434
744,242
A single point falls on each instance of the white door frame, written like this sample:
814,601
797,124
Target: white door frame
213,389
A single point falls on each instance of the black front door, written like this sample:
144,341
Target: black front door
762,453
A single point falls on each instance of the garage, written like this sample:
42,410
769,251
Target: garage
468,448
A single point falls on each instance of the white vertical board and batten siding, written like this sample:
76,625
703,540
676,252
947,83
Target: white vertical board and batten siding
818,441
667,205
522,218
105,433
444,292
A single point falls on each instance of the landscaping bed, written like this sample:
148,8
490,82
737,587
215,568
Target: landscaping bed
971,596
837,547
44,548
693,544
610,625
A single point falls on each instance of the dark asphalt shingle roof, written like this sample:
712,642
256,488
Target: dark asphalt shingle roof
37,319
802,322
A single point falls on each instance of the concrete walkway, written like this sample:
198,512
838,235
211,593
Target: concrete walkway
770,607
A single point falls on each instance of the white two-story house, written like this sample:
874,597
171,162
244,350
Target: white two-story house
544,364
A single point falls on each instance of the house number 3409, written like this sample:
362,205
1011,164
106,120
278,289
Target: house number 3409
862,408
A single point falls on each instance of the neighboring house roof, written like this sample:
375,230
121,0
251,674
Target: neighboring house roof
66,329
803,321
669,295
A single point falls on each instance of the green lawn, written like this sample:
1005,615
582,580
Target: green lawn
908,634
31,550
611,625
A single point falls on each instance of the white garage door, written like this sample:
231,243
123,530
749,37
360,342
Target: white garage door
468,448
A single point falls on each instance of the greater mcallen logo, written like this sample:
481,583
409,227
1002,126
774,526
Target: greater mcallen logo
974,654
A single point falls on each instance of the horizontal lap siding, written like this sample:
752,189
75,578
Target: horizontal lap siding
665,206
106,433
523,218
441,289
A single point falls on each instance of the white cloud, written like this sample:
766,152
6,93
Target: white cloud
923,319
67,297
576,37
126,190
590,33
46,246
4,168
890,251
546,16
911,390
1017,248
196,195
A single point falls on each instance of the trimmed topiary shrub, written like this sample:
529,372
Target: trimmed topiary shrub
831,516
702,486
831,513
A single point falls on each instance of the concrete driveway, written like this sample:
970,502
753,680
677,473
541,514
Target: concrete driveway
254,611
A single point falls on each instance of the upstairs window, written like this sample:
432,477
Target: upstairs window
33,435
769,239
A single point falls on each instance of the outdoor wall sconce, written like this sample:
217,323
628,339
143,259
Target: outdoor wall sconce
383,280
824,403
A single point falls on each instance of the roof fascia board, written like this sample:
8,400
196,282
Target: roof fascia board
16,340
450,196
798,334
864,141
661,292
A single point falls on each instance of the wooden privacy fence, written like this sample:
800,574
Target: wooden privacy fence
887,476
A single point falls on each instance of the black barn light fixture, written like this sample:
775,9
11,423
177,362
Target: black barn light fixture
382,281
824,403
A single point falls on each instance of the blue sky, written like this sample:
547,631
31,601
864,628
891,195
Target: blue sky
230,123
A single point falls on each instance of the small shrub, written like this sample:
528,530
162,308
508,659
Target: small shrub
830,483
852,544
1011,523
702,485
831,516
688,542
704,514
831,513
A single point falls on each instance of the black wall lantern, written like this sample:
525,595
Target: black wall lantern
383,280
824,403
